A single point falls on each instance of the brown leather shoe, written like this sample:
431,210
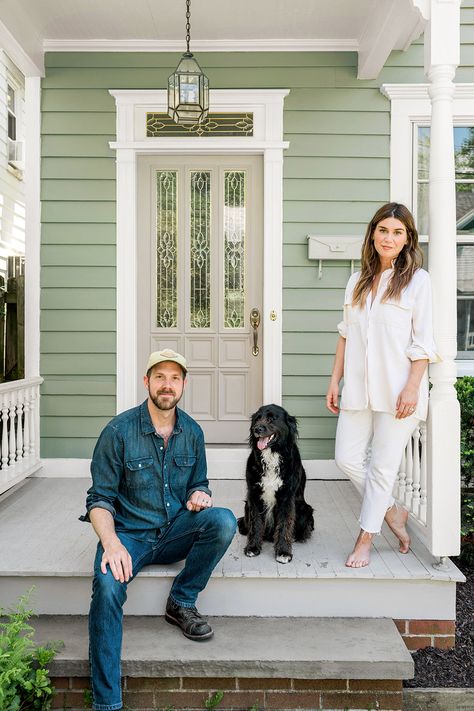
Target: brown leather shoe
192,624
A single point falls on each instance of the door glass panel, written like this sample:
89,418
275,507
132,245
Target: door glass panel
166,249
234,248
200,249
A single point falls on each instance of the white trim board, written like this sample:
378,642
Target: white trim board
228,45
221,464
267,108
33,224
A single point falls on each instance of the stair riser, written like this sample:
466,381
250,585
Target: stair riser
323,597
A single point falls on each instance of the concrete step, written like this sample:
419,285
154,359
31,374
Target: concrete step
296,647
48,547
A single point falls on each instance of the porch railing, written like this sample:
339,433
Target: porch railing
411,488
414,488
19,430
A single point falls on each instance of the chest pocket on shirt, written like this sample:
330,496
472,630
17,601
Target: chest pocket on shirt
396,313
140,473
351,313
183,469
184,461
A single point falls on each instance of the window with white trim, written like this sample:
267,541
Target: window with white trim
409,177
464,178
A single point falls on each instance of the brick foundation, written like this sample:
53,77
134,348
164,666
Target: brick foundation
418,634
151,694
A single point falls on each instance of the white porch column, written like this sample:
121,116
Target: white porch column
441,59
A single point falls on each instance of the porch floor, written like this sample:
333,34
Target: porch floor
41,540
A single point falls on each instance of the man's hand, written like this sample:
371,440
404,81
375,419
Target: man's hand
119,560
198,501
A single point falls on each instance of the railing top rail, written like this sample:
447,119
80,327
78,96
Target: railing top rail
20,384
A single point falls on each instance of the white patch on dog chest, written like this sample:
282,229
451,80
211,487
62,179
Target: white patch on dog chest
271,479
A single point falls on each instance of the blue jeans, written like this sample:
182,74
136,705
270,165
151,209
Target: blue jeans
199,538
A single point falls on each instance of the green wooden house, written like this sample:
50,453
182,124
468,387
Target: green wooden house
142,235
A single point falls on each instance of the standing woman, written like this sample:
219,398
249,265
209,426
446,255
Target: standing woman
384,347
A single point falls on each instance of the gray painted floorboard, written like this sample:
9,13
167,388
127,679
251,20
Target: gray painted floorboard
40,535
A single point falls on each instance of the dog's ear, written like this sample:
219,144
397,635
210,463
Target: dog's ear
292,424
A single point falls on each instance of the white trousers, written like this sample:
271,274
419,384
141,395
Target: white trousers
372,473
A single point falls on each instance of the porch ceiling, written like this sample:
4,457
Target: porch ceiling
371,27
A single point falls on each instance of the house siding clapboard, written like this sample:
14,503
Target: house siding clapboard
336,173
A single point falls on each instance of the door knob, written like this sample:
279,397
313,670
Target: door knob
255,323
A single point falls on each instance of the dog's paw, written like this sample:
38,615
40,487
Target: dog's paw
283,557
252,551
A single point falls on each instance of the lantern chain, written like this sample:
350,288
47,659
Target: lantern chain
188,25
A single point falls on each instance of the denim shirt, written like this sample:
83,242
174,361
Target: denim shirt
142,484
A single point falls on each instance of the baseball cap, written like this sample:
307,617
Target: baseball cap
167,354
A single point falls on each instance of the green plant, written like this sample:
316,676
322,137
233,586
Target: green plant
465,391
87,698
214,701
24,678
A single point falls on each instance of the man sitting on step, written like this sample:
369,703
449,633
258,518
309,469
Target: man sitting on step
150,503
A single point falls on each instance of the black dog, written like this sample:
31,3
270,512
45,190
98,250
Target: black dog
275,509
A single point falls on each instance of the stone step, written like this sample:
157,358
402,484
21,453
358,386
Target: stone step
291,647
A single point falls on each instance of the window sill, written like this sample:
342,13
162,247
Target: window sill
465,367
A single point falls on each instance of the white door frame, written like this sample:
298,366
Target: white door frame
267,140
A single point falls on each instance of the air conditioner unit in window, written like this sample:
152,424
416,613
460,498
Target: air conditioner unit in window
16,154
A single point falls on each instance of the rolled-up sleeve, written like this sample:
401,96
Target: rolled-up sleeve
198,480
106,471
422,346
342,328
342,325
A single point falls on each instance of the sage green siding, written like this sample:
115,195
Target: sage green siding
336,173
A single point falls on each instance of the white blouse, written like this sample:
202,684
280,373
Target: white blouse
382,339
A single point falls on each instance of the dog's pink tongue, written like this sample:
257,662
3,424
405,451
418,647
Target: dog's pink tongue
262,442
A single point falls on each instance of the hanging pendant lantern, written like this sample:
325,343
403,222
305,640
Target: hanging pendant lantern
188,86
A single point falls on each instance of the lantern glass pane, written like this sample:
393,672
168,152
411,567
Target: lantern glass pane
188,89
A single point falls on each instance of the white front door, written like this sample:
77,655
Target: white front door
200,281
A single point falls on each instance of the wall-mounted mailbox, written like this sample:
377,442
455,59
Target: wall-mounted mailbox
344,247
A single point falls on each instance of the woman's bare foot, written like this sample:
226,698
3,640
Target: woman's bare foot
396,519
360,556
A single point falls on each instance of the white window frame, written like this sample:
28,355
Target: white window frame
410,107
15,80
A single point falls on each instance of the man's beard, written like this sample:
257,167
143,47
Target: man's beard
167,403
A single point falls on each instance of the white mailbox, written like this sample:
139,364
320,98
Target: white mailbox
346,247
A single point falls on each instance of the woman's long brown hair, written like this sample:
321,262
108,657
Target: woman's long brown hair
406,264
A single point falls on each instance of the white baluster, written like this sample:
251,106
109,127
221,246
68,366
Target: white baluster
11,428
402,476
26,424
409,477
33,453
423,472
402,468
19,426
415,503
4,431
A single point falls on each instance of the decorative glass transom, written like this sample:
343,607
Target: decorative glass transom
166,249
200,249
225,124
234,248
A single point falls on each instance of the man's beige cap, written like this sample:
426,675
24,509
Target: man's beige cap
167,354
